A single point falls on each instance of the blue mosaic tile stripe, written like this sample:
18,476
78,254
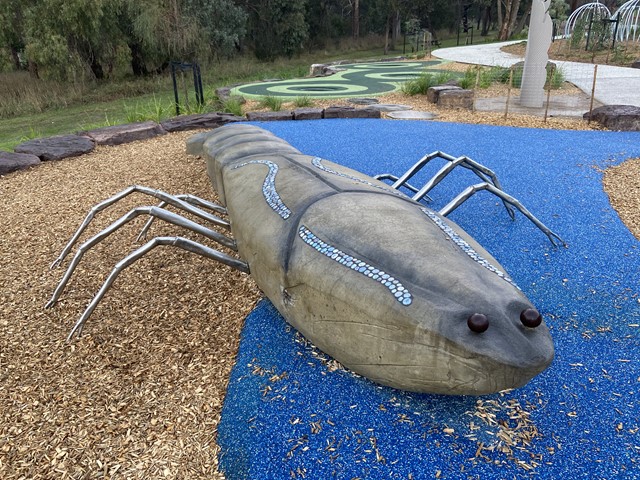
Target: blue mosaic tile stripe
466,248
269,187
317,162
398,290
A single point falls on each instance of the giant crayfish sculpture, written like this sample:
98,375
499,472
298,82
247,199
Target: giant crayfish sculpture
390,288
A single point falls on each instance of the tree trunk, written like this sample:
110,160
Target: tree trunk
486,22
15,58
395,29
355,26
33,69
386,36
137,61
507,21
513,14
523,21
500,18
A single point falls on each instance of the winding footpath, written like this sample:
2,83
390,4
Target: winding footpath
614,85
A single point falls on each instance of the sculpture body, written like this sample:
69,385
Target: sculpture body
389,288
371,277
536,58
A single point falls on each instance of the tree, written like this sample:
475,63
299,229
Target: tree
222,23
507,20
70,38
11,27
278,27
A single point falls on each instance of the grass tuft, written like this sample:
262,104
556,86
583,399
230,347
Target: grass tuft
420,85
272,103
302,102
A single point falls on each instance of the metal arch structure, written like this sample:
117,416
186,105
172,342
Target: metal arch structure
597,9
628,16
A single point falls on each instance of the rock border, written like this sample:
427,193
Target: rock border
34,152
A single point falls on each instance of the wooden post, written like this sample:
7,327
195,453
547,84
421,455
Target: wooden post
546,110
593,92
506,107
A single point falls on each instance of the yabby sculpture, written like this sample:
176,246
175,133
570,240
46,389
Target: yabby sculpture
389,288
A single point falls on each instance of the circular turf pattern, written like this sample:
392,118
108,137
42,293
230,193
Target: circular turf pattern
358,79
286,411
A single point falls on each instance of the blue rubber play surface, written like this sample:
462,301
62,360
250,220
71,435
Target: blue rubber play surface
290,413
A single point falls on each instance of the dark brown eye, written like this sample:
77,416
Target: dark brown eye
478,323
531,318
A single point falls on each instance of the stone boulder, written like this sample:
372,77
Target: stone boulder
433,93
224,94
616,117
308,113
130,132
323,70
195,121
363,101
58,147
10,162
269,116
458,98
350,112
390,107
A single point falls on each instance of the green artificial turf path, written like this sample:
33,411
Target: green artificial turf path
353,80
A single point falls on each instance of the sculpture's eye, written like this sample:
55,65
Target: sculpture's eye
478,323
530,318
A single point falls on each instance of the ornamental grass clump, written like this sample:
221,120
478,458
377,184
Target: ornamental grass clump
420,85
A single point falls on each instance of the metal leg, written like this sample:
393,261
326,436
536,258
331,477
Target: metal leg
179,242
485,174
193,200
470,191
407,185
165,215
165,197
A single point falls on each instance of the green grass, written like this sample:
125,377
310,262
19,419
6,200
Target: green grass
32,108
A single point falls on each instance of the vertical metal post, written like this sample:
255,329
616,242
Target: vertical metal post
589,32
615,31
175,87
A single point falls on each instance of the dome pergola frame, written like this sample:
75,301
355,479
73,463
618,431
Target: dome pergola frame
587,11
628,17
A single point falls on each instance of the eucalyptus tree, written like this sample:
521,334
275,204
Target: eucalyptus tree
11,26
277,27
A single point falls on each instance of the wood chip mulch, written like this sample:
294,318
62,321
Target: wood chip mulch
140,394
622,184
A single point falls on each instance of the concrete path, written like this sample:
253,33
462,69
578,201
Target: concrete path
614,85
